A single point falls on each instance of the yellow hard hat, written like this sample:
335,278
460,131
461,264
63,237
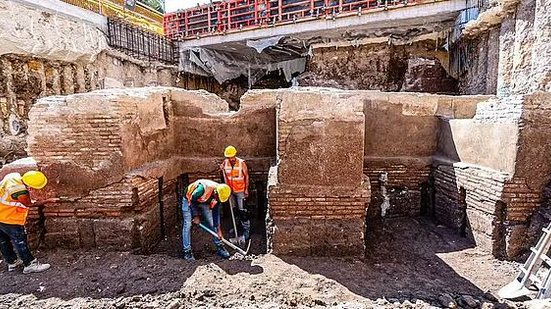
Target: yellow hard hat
224,192
230,152
35,179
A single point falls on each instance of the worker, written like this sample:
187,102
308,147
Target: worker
15,201
236,175
201,203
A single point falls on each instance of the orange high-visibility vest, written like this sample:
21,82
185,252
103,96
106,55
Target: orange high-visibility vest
209,187
12,211
235,176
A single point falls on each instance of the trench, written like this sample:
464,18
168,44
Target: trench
171,219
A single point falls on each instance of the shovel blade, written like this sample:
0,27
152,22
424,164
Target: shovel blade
513,290
238,241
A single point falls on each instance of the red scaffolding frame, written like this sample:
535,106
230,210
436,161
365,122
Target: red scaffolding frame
235,15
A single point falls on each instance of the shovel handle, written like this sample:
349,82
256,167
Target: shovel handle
236,248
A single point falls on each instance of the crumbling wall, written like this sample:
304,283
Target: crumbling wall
24,79
401,138
380,66
513,36
53,48
317,194
502,175
113,155
481,67
498,159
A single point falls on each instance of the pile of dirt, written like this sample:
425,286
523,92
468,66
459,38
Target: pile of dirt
410,264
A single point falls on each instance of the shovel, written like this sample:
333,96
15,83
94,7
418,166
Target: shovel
514,290
240,240
236,248
237,240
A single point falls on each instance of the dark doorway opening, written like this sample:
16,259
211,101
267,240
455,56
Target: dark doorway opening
171,228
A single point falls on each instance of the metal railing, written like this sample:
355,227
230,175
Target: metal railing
234,15
139,43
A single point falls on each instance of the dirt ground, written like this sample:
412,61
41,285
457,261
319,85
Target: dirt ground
409,263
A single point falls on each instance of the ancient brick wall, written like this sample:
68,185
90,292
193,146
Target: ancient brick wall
318,200
403,181
496,188
467,198
24,79
318,223
107,152
401,137
476,166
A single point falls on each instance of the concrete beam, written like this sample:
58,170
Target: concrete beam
376,19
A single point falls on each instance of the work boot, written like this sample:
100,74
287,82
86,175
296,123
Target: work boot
222,252
15,265
188,255
35,267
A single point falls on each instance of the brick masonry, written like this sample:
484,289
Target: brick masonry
318,204
402,135
24,79
495,200
480,171
406,185
318,224
467,199
106,153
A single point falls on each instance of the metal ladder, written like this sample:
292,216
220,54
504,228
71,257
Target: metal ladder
527,276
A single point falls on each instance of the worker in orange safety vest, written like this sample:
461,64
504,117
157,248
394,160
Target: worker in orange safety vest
236,175
202,203
15,201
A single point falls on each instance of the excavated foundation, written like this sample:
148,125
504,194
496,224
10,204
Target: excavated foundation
119,160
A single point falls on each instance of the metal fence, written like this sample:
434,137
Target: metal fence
139,43
462,50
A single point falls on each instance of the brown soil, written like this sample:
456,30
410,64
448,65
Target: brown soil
410,262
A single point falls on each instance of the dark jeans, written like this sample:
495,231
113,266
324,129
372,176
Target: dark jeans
14,236
209,217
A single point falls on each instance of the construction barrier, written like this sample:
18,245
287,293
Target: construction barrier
235,15
140,16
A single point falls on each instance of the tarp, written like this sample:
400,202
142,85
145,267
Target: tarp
252,60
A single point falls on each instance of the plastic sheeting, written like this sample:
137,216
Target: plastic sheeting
233,61
262,44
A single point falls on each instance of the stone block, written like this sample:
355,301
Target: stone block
119,234
318,127
481,228
86,234
68,240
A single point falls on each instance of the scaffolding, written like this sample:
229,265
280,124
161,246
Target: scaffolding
236,15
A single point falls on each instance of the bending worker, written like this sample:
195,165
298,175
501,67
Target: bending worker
15,201
236,176
202,203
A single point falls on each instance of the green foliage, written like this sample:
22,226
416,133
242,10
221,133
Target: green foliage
157,5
